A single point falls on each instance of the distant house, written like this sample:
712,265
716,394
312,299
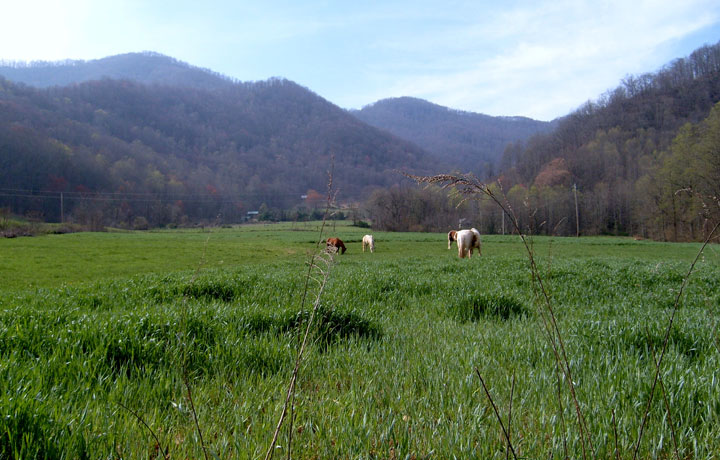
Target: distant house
252,215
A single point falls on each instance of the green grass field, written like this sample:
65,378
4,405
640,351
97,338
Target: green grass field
96,325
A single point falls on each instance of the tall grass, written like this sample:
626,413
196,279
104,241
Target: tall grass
471,188
392,370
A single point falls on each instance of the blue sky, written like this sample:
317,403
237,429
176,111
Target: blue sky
530,58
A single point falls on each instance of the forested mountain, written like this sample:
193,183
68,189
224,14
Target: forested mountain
165,142
629,153
148,68
471,141
642,160
118,150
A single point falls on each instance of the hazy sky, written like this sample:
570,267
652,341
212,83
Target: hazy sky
540,59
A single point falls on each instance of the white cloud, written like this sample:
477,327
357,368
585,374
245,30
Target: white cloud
38,30
546,60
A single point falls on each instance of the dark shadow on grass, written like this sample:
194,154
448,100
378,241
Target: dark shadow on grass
334,326
487,306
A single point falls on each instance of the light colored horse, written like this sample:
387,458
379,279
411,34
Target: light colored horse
467,240
368,241
452,236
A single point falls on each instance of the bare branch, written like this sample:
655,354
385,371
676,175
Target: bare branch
497,414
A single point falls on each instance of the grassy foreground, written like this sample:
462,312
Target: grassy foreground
96,327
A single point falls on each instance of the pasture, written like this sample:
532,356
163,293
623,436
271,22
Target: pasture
98,330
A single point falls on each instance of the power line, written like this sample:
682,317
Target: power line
143,197
115,199
169,196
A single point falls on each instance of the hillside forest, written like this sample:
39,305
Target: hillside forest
123,153
642,159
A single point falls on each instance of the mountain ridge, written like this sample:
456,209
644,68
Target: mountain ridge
449,133
145,67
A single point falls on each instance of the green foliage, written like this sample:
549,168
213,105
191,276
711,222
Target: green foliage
689,177
29,430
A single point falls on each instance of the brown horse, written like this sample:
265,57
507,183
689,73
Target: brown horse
337,244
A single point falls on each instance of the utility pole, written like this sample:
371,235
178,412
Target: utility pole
62,208
577,214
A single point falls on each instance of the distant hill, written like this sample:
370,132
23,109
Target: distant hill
147,68
464,140
118,150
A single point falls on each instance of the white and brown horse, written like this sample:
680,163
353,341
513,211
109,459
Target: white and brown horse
467,240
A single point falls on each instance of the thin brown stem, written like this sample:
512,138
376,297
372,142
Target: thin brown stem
290,426
194,413
165,452
658,366
614,423
497,414
665,398
327,258
512,392
296,370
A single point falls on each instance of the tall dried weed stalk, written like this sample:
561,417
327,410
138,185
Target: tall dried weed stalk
318,272
469,187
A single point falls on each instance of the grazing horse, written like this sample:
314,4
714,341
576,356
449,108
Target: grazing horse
336,244
452,236
368,241
467,240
